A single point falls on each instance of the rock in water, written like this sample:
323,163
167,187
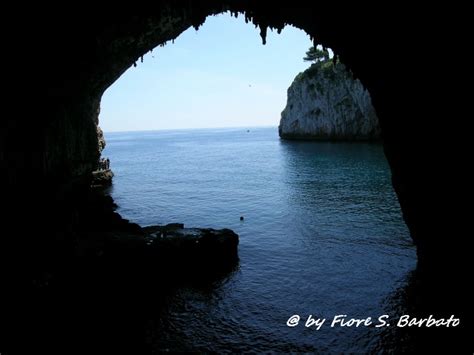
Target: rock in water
325,102
193,246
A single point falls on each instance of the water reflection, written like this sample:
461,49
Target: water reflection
426,294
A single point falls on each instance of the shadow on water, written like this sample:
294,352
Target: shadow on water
423,296
106,305
417,298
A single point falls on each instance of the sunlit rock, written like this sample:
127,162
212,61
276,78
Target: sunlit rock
325,102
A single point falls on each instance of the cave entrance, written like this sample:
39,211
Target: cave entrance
318,217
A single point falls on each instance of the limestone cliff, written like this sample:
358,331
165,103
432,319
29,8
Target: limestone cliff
325,102
101,140
102,176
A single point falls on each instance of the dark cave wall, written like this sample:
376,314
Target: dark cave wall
82,67
81,56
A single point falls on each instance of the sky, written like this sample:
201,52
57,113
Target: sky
218,76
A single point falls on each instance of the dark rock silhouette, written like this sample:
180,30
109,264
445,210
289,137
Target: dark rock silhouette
193,246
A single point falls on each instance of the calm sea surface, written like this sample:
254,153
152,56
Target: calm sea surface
323,234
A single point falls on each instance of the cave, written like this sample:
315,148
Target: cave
50,147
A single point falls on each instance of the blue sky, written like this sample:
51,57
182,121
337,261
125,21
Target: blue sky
219,76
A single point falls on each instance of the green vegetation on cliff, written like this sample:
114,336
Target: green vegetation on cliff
314,54
323,64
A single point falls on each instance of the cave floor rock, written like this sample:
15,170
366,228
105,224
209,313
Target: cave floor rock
169,251
102,178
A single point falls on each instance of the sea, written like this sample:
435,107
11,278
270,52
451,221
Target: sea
322,237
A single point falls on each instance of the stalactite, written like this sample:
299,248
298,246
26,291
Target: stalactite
263,34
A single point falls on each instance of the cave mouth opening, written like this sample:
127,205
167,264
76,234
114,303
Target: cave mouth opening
173,170
228,86
290,201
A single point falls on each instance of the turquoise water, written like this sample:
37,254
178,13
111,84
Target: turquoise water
322,235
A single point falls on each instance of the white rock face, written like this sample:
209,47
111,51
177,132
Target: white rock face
325,102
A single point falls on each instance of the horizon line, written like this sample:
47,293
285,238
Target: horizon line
188,128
